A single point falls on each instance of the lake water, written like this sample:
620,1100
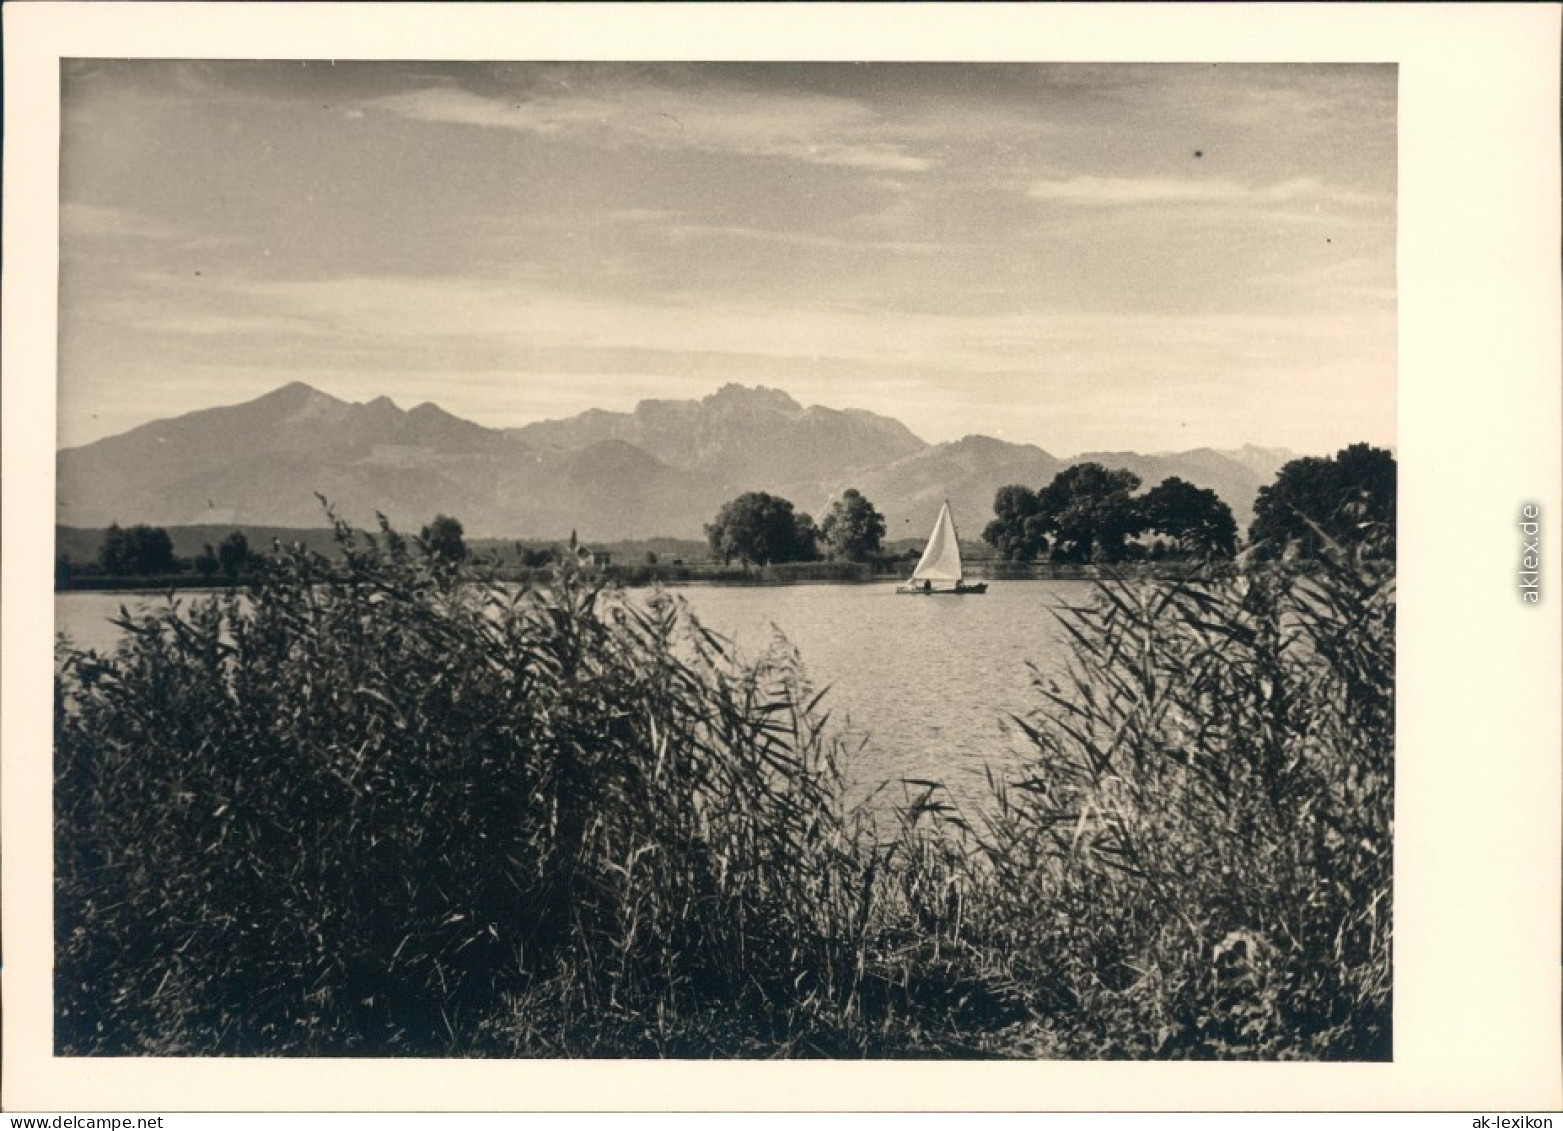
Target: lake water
925,682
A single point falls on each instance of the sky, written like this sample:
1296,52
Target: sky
1084,257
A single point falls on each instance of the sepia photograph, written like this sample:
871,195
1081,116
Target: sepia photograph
679,559
531,681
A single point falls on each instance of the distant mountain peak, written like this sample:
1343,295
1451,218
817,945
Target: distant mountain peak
381,408
758,396
290,390
292,396
978,440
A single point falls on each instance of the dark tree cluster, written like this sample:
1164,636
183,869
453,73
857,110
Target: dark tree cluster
444,540
1347,499
853,529
1089,513
231,558
1193,519
143,551
148,551
138,551
536,559
758,528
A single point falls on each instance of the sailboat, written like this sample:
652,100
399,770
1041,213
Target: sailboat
939,569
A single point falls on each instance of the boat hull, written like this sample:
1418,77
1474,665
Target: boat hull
973,590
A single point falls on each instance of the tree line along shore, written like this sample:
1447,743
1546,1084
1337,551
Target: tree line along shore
1087,522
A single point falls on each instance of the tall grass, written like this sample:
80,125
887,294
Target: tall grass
1196,861
385,806
379,808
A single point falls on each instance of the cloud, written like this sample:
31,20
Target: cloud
805,239
92,220
1359,279
208,325
453,106
463,319
816,129
668,227
1130,191
637,216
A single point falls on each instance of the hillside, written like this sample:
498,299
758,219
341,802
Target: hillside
745,439
661,470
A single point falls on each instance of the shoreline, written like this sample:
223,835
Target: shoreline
850,574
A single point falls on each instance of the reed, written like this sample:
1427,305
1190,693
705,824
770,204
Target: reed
379,806
383,805
1196,860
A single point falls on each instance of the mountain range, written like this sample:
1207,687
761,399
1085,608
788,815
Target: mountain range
663,469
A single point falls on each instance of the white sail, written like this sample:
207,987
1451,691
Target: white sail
941,560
